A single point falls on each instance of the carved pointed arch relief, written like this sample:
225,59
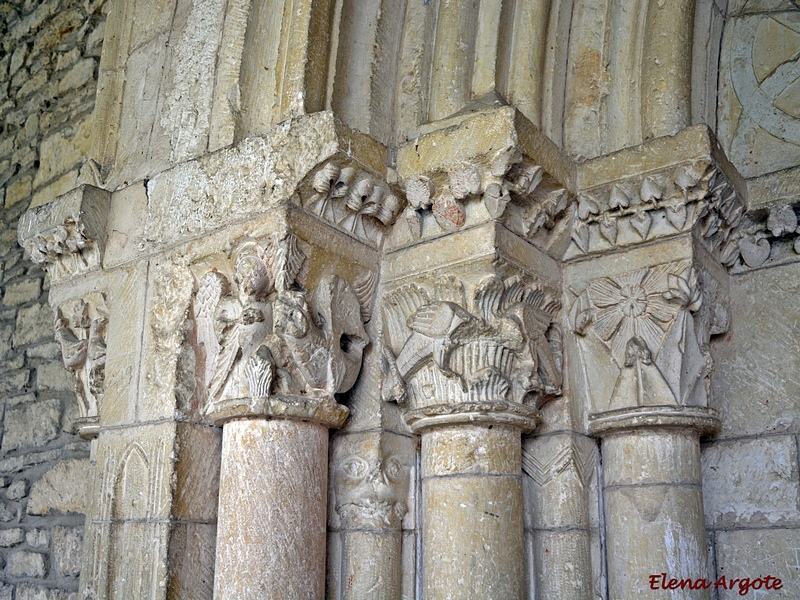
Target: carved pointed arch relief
505,187
491,346
643,336
264,343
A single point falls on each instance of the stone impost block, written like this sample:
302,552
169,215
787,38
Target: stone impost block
307,156
68,234
666,186
490,165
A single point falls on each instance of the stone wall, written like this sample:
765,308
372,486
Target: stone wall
48,63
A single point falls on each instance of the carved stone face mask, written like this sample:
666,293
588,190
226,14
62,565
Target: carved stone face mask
371,480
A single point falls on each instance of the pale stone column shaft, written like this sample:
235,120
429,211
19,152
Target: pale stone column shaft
272,510
653,512
373,567
472,507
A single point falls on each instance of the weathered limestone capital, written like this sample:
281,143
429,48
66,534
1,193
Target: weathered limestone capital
478,168
492,360
266,346
67,235
656,229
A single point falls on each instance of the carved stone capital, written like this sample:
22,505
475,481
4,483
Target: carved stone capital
351,199
80,328
766,238
267,346
487,352
642,337
67,235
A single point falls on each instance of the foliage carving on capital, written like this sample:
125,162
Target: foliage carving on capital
264,343
654,325
512,190
80,329
353,200
67,235
445,355
693,196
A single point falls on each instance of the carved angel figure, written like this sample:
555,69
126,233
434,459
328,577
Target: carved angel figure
258,334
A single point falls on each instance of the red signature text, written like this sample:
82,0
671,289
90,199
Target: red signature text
743,584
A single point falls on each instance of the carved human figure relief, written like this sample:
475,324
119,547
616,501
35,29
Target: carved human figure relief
654,324
80,329
502,345
259,333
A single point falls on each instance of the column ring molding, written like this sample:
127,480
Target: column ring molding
705,421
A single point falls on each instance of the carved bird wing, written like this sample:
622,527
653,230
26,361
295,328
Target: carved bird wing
211,288
285,260
435,326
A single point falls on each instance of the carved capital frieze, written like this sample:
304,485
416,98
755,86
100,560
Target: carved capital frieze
80,329
504,187
767,238
643,337
264,344
694,195
352,200
485,352
67,235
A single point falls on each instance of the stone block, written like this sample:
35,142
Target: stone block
18,463
60,186
66,550
32,424
191,551
755,385
56,491
34,324
14,382
756,553
52,376
11,537
35,592
61,151
22,563
21,292
17,490
7,512
5,340
47,351
6,591
38,538
751,482
17,191
197,472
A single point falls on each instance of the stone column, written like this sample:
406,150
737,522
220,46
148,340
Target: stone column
643,315
371,477
654,500
472,506
272,357
471,339
272,505
464,378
